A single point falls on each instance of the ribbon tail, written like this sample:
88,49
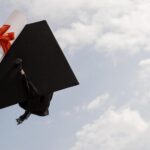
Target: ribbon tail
4,28
5,38
5,45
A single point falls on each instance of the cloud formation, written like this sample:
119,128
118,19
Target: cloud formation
142,84
113,130
98,102
114,26
125,127
102,25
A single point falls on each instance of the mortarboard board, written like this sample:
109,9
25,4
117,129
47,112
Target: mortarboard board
43,62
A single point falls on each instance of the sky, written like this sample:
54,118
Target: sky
107,43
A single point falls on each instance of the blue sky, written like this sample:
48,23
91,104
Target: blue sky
107,44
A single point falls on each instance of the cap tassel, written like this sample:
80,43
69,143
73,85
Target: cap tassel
23,117
29,86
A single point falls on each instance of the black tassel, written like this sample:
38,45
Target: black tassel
27,113
23,117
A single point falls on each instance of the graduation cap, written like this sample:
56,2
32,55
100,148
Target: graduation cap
33,69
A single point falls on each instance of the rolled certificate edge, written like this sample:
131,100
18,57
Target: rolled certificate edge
17,21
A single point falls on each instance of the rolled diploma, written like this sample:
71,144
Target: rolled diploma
17,21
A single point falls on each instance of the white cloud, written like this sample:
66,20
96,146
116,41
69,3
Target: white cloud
144,72
103,25
113,130
140,99
143,77
66,114
99,101
144,62
115,26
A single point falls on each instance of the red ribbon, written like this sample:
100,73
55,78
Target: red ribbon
5,38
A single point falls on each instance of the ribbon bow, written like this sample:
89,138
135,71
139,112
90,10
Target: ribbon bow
5,38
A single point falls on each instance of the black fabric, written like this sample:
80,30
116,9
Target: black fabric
44,63
37,105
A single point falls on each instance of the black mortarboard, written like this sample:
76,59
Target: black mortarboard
45,66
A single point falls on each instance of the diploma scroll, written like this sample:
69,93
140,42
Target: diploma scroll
17,20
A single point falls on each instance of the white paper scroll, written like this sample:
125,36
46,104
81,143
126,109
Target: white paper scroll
17,20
